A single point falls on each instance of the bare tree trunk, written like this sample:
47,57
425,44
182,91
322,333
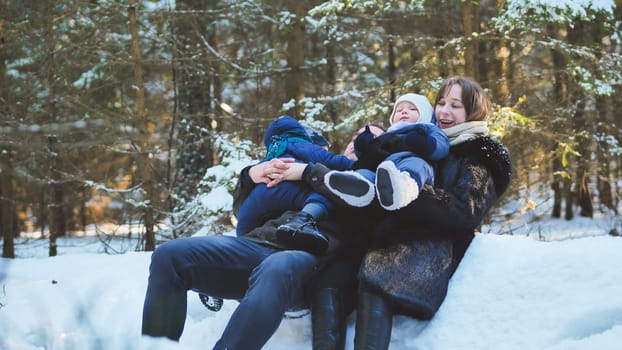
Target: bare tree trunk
296,40
7,209
569,197
170,177
605,190
392,68
562,187
607,126
56,217
84,197
214,96
146,131
557,200
469,47
42,212
581,33
331,78
584,197
503,93
55,207
4,87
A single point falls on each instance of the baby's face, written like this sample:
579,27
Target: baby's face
405,112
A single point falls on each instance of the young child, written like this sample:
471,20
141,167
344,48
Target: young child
395,164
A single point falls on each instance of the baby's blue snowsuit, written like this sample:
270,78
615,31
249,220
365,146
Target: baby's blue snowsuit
414,161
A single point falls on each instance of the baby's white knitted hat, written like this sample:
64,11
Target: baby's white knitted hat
421,102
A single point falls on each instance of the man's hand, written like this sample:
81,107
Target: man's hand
270,172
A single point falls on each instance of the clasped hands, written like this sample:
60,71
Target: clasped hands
276,170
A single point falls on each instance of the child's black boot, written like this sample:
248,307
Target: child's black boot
301,233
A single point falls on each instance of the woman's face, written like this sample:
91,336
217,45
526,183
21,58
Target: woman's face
449,110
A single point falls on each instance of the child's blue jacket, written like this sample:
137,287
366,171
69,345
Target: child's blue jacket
286,137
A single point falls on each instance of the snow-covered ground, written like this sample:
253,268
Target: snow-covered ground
550,284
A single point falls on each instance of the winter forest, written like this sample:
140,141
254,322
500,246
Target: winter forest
129,112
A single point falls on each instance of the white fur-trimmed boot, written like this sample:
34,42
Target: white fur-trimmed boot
395,188
351,187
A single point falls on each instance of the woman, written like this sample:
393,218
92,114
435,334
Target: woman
427,245
416,249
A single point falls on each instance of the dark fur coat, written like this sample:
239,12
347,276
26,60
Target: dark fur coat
417,248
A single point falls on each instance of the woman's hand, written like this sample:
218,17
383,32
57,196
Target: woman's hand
270,171
293,173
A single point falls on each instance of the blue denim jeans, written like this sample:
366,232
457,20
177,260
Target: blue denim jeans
266,281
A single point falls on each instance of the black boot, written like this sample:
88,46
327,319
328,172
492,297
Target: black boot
328,319
301,233
211,303
374,320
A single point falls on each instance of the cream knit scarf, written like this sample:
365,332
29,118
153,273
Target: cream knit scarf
466,131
